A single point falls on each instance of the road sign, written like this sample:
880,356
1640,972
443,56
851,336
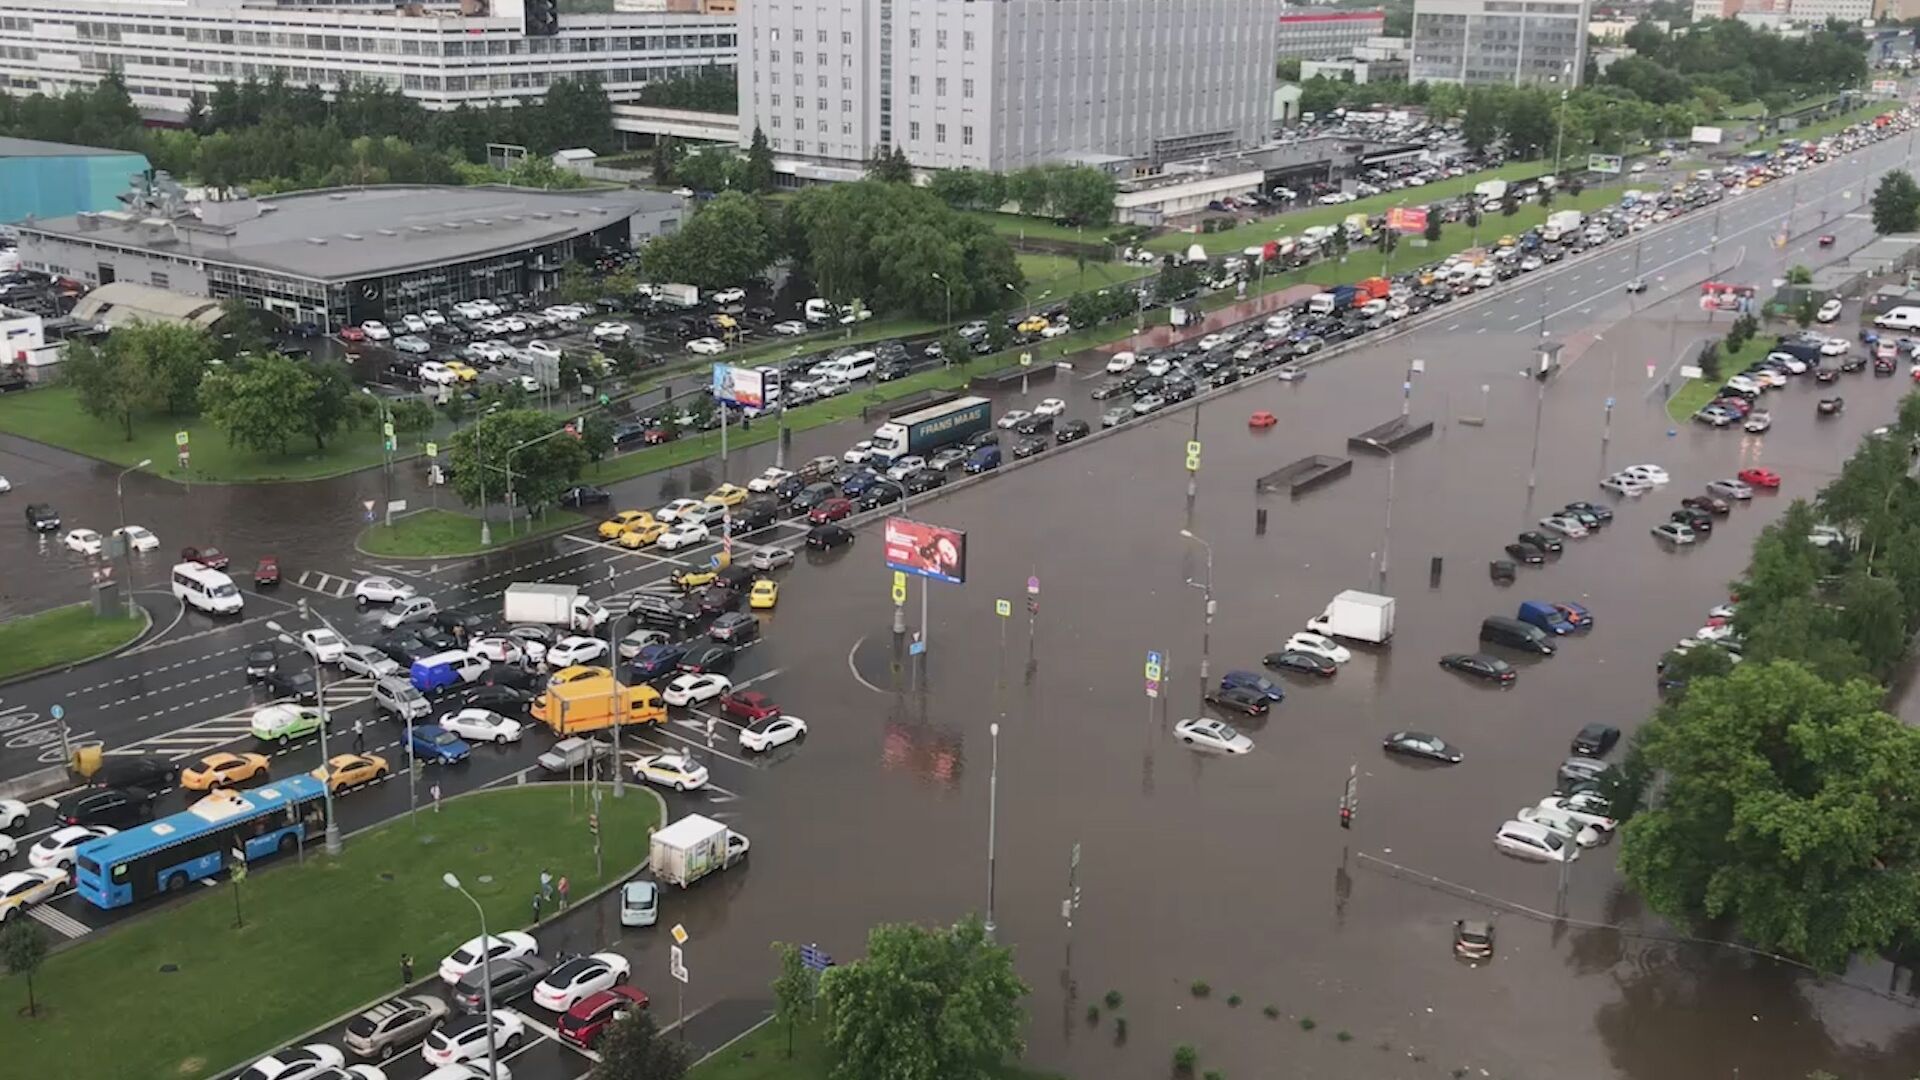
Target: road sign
387,429
917,648
899,587
814,959
593,824
1153,689
1609,403
1003,608
396,506
58,712
1154,660
1689,371
1193,456
1026,359
185,457
676,965
179,438
679,933
433,449
1033,586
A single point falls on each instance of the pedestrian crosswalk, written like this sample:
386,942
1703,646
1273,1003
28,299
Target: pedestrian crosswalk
65,925
319,581
235,726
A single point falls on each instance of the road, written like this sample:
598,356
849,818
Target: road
1197,868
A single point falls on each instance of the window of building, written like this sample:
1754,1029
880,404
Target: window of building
820,103
846,82
913,84
966,135
913,130
160,280
820,36
966,88
820,58
799,146
775,98
846,37
939,133
913,38
773,55
776,121
966,41
846,128
939,39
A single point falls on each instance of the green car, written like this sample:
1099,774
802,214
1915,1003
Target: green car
284,723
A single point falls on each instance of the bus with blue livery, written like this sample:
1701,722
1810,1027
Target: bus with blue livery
165,856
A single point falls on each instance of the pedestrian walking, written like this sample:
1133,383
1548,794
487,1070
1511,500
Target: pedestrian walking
406,969
435,792
359,737
546,885
536,908
563,892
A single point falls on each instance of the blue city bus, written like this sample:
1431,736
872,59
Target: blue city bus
166,855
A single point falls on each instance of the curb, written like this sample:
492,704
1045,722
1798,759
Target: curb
69,665
520,541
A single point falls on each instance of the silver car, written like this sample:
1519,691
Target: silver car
771,558
393,1025
368,661
1144,405
1730,489
1115,416
639,903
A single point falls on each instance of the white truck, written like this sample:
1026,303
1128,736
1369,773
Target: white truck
685,296
693,847
1490,193
1357,616
1562,223
554,605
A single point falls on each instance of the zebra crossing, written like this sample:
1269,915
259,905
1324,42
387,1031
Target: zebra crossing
220,731
65,925
330,585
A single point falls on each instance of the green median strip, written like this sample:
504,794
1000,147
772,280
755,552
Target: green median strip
182,993
62,635
448,534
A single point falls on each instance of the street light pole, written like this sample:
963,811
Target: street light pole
1206,634
486,974
993,817
944,284
126,542
333,842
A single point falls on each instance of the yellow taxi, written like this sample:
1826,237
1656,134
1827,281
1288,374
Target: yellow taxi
723,322
764,595
22,889
611,528
693,577
343,771
464,371
223,770
728,495
639,536
578,673
1033,324
1508,241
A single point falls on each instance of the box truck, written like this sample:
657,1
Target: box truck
691,848
686,296
1357,616
554,605
931,429
595,704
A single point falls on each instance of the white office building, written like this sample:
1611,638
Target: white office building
1500,42
1004,84
443,56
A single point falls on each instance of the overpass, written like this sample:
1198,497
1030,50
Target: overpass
679,123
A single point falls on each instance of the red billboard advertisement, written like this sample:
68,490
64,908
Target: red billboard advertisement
1407,219
933,551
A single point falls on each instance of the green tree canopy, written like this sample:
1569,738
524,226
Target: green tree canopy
261,404
727,242
481,455
1896,203
632,1048
882,243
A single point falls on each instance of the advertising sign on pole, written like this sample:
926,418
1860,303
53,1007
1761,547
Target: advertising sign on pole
1708,135
738,386
1604,163
1407,220
932,551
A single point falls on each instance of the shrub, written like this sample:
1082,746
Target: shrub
1185,1057
1093,1014
1344,1036
1307,1023
1272,1011
1113,999
1200,988
1233,1001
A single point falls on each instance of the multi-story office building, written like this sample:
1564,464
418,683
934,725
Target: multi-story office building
1324,33
1515,42
1002,85
477,54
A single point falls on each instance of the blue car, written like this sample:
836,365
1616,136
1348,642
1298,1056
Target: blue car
984,459
1256,682
434,744
656,661
858,483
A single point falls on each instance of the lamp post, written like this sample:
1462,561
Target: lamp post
126,543
944,284
1560,140
1206,587
993,821
486,972
320,695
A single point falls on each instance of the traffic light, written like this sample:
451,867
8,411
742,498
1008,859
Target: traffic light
1346,817
543,18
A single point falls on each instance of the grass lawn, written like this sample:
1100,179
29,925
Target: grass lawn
1061,275
1823,128
320,938
61,636
449,534
53,416
763,1056
1695,393
1019,226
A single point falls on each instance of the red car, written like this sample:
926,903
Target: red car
211,557
659,433
584,1023
1760,478
1262,419
749,705
352,333
266,572
1826,240
832,510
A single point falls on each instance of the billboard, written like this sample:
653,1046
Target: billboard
933,551
1604,163
1407,219
739,386
1887,87
1709,135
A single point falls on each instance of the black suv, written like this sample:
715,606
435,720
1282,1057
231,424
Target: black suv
120,808
42,518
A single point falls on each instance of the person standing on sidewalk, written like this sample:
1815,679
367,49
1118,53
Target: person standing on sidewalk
406,970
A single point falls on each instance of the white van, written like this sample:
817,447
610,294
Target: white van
818,310
1322,304
209,590
1900,318
851,367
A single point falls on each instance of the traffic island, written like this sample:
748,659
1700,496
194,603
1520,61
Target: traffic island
185,994
447,534
1304,474
1396,434
62,637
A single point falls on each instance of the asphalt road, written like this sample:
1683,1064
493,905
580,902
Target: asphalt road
1194,867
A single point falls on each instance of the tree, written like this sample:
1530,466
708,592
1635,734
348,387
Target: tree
889,167
1433,227
725,244
481,455
1805,310
759,172
1799,274
23,946
666,159
1175,282
793,988
1510,205
1081,195
883,243
173,359
632,1048
596,437
262,404
110,385
1480,123
1645,38
411,416
332,404
575,113
1527,124
924,1004
1791,806
955,349
715,169
1896,203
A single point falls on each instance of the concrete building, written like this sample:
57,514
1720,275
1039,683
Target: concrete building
1489,42
1323,33
335,257
999,86
477,54
1355,70
45,179
1819,11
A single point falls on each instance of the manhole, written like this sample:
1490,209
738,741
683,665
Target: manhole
169,969
479,849
386,875
486,879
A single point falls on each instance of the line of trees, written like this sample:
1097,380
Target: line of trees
1075,194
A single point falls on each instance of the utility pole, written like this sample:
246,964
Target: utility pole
1072,903
1206,635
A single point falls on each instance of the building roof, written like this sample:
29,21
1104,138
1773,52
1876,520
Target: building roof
121,302
346,234
12,148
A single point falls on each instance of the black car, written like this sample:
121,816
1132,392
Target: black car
1110,388
829,536
755,514
813,495
1030,446
298,685
882,494
1421,745
119,808
494,698
925,480
1580,774
1072,431
1525,553
1034,425
585,495
403,647
1595,740
1544,541
461,624
711,658
1852,364
988,437
789,489
1707,503
42,518
510,675
1698,520
512,977
889,370
261,660
1304,662
1241,699
1179,390
137,771
1480,665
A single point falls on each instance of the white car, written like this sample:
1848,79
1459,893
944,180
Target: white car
1747,385
407,343
57,847
375,330
6,485
368,662
859,452
1053,406
1716,632
1120,362
499,649
1210,734
1649,474
22,889
437,373
84,542
1212,342
1836,346
527,383
1014,418
1674,532
769,479
1793,364
467,1038
707,346
483,725
470,1070
1160,365
491,352
547,349
1625,485
1318,645
681,534
1829,311
579,978
1569,527
1580,810
414,324
314,1061
12,812
323,645
433,318
1730,489
576,650
694,688
1058,329
729,296
789,328
1562,823
138,538
766,733
505,946
9,847
906,467
611,331
631,645
673,769
671,512
1526,840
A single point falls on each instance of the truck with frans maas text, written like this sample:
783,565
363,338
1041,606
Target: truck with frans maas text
932,428
1357,616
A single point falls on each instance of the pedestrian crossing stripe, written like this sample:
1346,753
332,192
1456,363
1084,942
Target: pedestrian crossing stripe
65,925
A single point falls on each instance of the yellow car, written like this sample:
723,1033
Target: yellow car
728,495
639,536
1033,324
765,594
694,577
611,528
344,771
578,672
1507,241
466,373
223,770
22,889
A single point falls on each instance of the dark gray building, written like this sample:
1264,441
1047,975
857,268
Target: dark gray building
343,256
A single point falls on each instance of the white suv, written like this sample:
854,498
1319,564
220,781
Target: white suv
1527,840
